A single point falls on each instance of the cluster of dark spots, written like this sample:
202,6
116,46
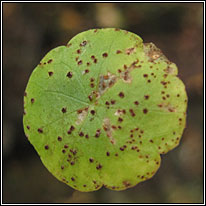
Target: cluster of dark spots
44,63
98,133
63,151
116,154
91,160
40,130
118,52
92,112
132,112
69,74
119,127
145,111
107,153
72,178
149,81
64,110
76,59
131,135
62,167
84,43
46,147
105,54
130,51
88,63
84,185
73,151
99,166
71,129
178,95
32,100
126,183
163,138
121,95
78,51
79,62
145,75
28,127
50,73
134,148
151,141
59,138
146,97
49,61
87,136
125,67
81,134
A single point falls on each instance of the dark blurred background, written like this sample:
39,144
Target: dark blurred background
30,30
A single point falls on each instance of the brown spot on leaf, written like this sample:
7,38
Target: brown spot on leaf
105,54
98,133
40,130
145,111
130,51
99,166
46,147
59,138
146,97
32,100
126,183
50,73
84,43
79,62
91,160
64,110
69,74
49,61
121,95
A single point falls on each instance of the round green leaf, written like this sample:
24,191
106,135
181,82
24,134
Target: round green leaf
102,109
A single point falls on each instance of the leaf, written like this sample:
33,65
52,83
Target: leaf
102,109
